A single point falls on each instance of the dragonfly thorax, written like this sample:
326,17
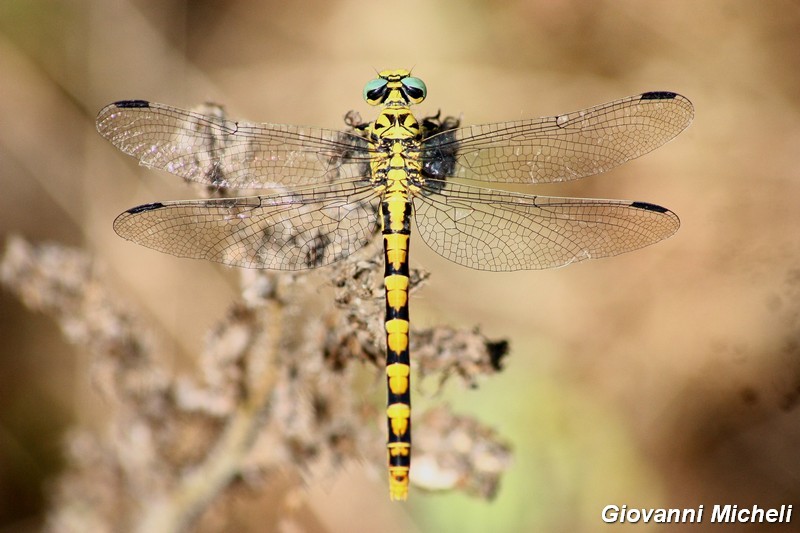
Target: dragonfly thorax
395,123
396,167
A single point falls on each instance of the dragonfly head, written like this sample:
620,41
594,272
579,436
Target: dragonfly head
395,88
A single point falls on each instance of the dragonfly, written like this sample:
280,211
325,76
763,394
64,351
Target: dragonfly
330,192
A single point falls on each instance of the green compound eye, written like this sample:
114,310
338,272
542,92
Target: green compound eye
415,89
374,91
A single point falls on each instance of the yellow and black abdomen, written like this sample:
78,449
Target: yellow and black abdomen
396,218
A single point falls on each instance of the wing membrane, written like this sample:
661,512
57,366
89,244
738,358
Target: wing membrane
500,231
207,148
291,231
561,148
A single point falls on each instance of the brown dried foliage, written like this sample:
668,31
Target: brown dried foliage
272,398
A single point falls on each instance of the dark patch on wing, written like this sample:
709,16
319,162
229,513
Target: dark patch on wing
649,207
132,103
145,207
659,95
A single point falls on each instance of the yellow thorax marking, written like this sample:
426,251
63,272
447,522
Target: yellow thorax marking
396,123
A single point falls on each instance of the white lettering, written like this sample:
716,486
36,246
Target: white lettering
610,513
613,513
755,514
722,513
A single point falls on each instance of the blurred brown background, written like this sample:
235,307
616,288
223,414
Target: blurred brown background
669,377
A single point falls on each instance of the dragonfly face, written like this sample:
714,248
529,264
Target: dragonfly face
339,188
395,88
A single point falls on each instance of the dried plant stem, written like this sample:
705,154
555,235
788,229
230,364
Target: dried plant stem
176,509
274,390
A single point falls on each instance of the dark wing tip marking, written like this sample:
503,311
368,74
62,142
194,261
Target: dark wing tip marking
145,207
132,103
659,95
649,207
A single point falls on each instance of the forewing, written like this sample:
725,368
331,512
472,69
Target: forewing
292,231
500,231
561,148
206,148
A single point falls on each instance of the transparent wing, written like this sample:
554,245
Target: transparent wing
291,231
207,148
561,148
494,230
